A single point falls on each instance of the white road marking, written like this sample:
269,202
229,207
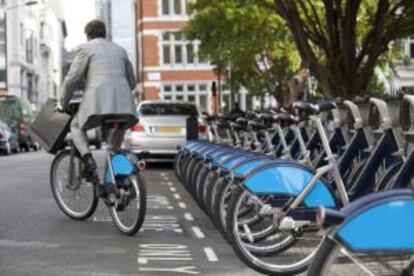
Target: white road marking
173,189
169,183
188,217
177,196
178,270
101,219
211,255
182,205
197,232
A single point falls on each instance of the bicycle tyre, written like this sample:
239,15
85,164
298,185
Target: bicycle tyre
88,212
140,189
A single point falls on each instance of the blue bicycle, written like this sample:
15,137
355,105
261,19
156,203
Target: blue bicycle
371,236
122,186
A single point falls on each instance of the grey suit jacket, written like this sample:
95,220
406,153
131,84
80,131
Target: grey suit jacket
109,81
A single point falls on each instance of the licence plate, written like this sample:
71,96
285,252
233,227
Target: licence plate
168,129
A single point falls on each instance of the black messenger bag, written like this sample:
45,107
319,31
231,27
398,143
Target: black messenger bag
50,127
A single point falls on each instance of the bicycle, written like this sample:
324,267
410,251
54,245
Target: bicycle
122,189
370,236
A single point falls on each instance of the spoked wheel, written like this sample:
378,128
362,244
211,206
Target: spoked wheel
130,206
78,200
292,250
334,259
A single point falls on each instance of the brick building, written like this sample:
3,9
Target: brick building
169,66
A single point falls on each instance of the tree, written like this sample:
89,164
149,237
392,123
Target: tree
343,40
248,39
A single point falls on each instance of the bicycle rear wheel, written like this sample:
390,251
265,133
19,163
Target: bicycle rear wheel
334,259
128,213
78,200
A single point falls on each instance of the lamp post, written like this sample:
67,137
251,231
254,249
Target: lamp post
7,8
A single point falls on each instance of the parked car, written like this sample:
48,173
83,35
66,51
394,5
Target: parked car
8,140
161,127
17,113
94,135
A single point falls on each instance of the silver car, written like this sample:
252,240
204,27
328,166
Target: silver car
161,127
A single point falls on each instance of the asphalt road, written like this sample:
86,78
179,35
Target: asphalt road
36,238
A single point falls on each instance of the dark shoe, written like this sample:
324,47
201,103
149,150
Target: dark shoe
90,171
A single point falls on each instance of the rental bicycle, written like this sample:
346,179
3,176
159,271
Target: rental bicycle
122,186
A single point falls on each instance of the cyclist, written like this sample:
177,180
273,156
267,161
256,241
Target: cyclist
109,81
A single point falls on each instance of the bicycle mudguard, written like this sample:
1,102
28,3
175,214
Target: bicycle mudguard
123,164
379,222
244,168
289,179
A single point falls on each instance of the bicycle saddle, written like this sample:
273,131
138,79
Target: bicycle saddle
257,126
314,108
286,118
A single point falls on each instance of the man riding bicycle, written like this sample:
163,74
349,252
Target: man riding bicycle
109,81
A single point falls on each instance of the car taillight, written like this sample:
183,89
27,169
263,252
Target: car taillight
202,129
138,128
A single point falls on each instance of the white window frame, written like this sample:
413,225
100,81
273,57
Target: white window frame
197,92
171,7
172,43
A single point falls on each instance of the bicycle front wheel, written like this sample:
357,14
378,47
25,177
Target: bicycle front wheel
76,198
335,260
129,211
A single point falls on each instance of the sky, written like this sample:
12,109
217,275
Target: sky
77,13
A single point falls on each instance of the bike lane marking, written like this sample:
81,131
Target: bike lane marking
197,232
159,219
188,217
211,255
182,205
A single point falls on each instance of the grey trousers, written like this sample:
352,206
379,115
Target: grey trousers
81,141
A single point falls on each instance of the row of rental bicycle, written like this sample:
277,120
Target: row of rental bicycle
321,187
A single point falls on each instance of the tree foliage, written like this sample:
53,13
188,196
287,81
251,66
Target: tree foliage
344,41
247,38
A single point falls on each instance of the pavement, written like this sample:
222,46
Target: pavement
36,238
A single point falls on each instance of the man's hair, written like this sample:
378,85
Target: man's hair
95,29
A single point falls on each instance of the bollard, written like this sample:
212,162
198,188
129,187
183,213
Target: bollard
192,128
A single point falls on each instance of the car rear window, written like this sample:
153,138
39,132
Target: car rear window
168,109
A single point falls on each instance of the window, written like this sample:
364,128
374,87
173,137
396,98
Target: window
176,50
165,7
162,109
192,92
166,53
174,7
29,47
22,37
411,47
42,30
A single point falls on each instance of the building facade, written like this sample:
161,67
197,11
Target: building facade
103,12
169,65
123,27
3,59
35,39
